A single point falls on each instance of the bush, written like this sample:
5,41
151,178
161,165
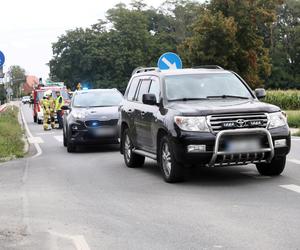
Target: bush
11,133
285,99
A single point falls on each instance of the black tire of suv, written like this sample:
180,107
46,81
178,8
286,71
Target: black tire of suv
176,172
34,118
274,168
132,160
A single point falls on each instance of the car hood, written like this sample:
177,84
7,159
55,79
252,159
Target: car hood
99,113
211,107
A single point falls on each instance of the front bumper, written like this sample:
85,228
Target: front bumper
100,135
215,155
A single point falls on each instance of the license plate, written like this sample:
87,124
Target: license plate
242,145
102,131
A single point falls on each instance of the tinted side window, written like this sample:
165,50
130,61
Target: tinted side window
144,88
154,88
132,88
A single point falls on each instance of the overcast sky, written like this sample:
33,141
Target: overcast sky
29,27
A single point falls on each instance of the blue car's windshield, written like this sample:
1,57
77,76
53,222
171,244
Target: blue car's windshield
103,98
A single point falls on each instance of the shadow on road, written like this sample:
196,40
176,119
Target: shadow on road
219,176
98,148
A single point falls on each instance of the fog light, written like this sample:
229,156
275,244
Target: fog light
280,143
74,127
196,148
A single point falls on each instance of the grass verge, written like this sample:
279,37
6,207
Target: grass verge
297,134
293,118
11,134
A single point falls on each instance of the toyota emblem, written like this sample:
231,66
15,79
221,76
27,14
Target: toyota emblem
240,123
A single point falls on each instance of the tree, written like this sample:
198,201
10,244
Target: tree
231,35
2,94
213,42
17,77
285,49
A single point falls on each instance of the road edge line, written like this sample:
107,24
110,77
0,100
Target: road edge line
36,145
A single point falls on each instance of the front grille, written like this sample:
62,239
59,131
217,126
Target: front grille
237,121
97,123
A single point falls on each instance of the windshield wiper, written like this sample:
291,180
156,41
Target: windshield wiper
186,99
227,96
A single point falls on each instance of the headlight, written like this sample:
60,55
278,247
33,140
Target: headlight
277,120
192,123
78,115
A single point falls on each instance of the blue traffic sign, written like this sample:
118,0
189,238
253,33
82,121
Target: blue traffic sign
169,60
2,59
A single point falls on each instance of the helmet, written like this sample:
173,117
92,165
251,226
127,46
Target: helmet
47,93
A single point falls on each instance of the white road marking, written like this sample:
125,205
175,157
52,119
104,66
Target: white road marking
294,161
78,240
36,145
59,138
295,138
291,187
35,140
45,133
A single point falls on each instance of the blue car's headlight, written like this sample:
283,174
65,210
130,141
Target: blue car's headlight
78,115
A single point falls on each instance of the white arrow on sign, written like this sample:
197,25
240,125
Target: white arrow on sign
169,64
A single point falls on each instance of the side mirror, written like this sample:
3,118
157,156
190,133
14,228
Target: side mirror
260,93
149,99
65,107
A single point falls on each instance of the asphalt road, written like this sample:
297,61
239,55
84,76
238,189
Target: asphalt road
90,200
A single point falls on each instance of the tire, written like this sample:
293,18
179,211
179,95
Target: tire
65,142
131,159
274,168
71,147
34,118
172,170
39,121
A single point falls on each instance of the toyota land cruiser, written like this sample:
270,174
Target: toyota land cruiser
205,116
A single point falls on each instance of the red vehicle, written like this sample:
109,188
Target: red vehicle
38,95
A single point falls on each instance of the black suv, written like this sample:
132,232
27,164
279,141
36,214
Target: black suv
205,116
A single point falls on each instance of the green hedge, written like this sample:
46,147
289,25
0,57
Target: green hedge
285,99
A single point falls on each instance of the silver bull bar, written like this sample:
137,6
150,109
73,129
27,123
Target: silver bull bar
229,157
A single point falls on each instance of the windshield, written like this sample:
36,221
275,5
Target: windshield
97,98
64,94
39,95
204,86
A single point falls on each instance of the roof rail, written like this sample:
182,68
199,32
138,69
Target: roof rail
207,67
142,69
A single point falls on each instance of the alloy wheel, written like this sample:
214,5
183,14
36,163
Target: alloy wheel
166,159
